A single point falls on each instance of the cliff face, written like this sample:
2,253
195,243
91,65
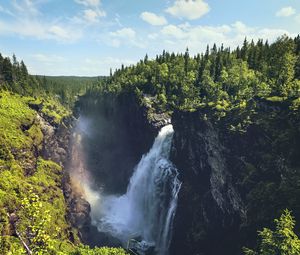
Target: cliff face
210,209
118,131
234,183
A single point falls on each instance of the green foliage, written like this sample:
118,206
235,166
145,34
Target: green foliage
14,115
30,186
281,241
35,222
85,250
21,138
67,88
53,109
35,228
221,80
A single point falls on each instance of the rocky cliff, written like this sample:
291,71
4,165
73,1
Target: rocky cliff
233,182
210,208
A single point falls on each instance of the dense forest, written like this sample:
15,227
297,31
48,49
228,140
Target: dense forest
229,87
14,77
221,78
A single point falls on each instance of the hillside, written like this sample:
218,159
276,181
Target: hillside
35,129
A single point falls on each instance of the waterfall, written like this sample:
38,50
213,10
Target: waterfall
145,213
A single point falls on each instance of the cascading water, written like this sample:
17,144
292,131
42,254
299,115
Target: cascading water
146,211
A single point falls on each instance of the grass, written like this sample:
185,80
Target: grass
20,135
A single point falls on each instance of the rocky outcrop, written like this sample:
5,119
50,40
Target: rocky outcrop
56,139
234,181
210,209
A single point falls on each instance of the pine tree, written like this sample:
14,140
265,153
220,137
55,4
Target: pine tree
186,61
244,50
7,70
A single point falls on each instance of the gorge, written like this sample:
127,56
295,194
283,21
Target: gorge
213,206
174,155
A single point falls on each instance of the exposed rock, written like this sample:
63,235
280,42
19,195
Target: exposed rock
56,140
56,144
79,208
210,209
158,120
119,128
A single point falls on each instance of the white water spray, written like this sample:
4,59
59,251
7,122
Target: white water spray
147,209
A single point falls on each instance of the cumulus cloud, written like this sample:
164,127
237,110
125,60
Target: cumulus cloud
178,37
189,9
286,12
28,22
241,28
173,31
125,36
93,16
39,30
153,19
125,33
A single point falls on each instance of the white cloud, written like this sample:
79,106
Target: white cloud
60,32
125,36
189,9
94,3
177,38
28,22
124,33
286,12
153,19
120,36
241,28
173,31
93,16
41,31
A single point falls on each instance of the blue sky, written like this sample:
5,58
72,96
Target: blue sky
88,37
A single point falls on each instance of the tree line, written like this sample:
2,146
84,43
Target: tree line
220,77
14,77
